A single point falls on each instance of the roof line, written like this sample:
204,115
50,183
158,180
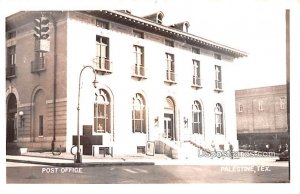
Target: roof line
188,35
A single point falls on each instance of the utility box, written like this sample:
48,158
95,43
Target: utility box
42,45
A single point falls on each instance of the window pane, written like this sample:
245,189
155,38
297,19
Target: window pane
195,127
95,110
195,116
218,73
144,126
107,111
139,59
138,126
103,50
41,125
200,128
137,114
218,119
101,110
107,123
101,125
133,125
200,117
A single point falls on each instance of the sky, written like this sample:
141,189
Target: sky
254,26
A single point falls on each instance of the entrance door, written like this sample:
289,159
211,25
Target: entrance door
11,121
169,119
169,126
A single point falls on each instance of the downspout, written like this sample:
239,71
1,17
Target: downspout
54,82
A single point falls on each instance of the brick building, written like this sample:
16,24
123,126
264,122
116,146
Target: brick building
157,83
262,116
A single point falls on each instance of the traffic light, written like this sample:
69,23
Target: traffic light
41,28
41,34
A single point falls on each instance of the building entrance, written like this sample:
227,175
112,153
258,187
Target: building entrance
11,119
169,126
169,119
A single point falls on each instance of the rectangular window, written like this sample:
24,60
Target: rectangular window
102,53
39,62
195,50
41,125
283,103
11,61
196,73
11,56
138,54
218,78
217,56
11,35
102,24
138,34
170,76
241,108
169,43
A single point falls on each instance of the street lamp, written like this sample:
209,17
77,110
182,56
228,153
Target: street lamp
78,154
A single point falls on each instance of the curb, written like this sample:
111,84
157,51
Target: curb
87,164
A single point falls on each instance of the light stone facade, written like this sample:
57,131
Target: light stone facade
168,104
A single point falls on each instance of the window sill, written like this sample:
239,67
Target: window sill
170,82
138,132
196,86
103,71
10,77
218,90
38,70
139,77
102,132
219,134
195,133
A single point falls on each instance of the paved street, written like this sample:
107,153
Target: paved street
144,174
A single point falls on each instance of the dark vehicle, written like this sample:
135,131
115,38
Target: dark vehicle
284,156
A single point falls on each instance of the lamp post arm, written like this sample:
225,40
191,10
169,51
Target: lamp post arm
78,104
78,159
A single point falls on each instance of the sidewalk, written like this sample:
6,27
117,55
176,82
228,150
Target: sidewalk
66,159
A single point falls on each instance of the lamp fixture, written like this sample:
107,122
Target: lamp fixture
22,119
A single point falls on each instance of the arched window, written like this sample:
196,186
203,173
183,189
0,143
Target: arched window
160,17
138,114
197,117
102,112
219,119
